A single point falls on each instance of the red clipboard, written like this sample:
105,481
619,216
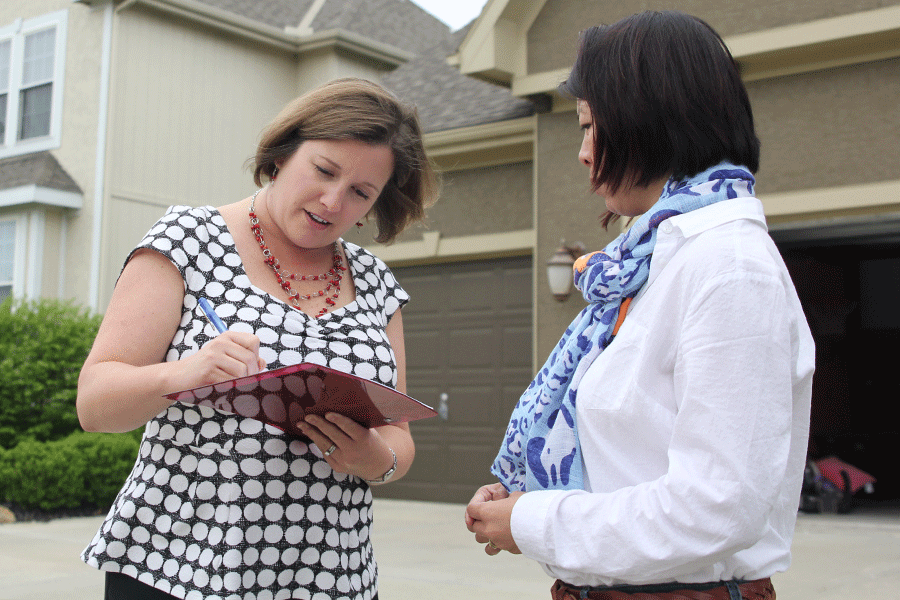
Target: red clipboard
284,396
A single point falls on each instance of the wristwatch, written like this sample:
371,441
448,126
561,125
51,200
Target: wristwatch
387,474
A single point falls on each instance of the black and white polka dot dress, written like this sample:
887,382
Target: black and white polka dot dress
222,506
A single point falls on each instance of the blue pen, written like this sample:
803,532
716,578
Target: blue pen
211,315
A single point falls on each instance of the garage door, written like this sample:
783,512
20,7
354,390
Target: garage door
468,348
850,290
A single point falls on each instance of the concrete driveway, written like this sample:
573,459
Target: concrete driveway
424,551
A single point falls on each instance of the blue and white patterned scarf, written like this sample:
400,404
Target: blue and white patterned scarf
541,449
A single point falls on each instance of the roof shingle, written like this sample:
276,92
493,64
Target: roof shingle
39,168
278,13
399,23
447,99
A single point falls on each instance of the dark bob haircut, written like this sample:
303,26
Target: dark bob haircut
356,109
666,98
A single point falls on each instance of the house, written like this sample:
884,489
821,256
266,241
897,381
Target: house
127,107
115,110
824,80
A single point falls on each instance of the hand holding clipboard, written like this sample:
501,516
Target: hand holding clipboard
283,397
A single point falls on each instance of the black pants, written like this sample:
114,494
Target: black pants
123,587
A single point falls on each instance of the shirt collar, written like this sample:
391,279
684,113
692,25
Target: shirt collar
674,231
703,219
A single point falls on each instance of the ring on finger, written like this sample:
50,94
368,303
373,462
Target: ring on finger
493,545
331,450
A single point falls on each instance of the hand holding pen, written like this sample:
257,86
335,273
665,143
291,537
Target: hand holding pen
233,354
210,313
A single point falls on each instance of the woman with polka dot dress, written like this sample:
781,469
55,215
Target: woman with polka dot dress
222,506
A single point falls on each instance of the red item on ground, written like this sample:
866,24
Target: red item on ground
831,467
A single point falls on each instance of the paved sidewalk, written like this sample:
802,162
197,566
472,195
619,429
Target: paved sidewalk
425,552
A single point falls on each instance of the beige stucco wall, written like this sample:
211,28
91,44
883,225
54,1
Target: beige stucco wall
478,201
826,129
829,128
565,209
552,38
53,227
188,105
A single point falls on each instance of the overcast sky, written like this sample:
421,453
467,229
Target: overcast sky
455,13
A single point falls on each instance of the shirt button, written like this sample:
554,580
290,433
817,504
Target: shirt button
666,227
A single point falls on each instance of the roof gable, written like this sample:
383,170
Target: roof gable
494,48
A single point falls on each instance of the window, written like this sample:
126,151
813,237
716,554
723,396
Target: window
7,257
32,65
4,84
37,84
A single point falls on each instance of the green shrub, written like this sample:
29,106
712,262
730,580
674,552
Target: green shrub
43,345
84,469
110,458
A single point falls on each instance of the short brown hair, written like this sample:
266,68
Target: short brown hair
356,109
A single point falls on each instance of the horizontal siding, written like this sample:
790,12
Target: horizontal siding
187,108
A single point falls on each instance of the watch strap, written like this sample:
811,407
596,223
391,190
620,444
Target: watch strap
387,474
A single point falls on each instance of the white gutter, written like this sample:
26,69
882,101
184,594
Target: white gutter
355,43
61,269
36,236
100,159
221,19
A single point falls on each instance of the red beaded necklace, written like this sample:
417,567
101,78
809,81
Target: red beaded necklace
334,275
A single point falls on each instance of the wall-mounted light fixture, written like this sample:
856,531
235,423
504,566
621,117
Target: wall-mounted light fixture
559,269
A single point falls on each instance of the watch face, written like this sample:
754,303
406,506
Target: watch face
387,474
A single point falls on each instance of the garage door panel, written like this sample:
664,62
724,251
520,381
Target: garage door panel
516,289
509,397
432,491
469,337
469,463
429,457
476,348
477,291
472,406
428,348
516,346
425,290
426,391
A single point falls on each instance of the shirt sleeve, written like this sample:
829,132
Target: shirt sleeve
167,237
395,297
727,456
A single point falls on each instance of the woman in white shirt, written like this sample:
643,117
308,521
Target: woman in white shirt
660,449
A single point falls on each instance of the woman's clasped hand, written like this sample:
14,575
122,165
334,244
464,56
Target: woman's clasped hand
488,515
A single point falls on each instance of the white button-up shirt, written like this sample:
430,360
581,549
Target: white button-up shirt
693,423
